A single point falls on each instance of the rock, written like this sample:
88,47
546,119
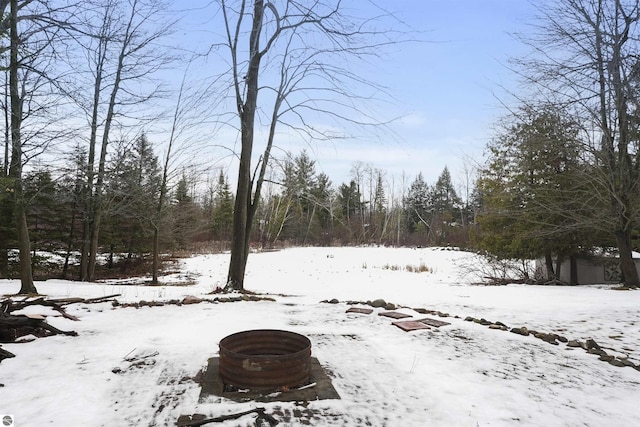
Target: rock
496,326
500,324
606,358
469,319
520,331
598,351
333,301
190,299
561,338
591,344
626,362
550,338
378,303
574,343
484,322
390,306
421,310
616,362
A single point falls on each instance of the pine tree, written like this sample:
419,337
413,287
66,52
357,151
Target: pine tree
531,190
417,206
223,209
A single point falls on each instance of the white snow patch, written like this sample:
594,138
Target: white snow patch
463,374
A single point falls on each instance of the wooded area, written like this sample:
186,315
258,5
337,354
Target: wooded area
95,172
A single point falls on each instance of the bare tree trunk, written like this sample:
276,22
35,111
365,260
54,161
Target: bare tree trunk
15,170
548,262
297,65
573,273
246,110
627,265
558,267
163,187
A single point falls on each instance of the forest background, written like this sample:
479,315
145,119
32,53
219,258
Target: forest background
103,160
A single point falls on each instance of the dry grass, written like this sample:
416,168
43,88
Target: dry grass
421,268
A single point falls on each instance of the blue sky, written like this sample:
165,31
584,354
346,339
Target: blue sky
450,88
447,89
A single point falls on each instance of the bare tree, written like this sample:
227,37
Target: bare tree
186,115
587,58
297,63
122,53
34,28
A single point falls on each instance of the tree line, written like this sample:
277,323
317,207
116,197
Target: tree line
300,206
82,95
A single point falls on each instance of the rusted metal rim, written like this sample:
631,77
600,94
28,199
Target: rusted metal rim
265,359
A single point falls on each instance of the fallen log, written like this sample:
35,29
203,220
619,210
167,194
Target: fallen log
9,305
15,326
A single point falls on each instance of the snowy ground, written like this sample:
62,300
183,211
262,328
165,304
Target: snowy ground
464,374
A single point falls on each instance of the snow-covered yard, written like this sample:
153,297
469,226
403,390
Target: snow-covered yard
463,374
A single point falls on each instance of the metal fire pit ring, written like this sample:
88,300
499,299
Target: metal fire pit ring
265,359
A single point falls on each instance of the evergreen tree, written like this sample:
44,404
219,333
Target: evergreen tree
223,209
185,214
132,193
417,206
445,206
531,190
43,211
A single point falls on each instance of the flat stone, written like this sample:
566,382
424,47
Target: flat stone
434,322
410,325
360,310
394,314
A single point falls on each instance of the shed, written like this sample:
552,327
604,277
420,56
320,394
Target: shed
590,269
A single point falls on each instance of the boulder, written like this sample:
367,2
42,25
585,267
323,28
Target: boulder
378,303
190,299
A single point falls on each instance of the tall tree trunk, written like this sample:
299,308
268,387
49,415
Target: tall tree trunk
15,170
548,262
241,214
559,260
573,270
627,265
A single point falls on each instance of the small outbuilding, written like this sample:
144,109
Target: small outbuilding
589,269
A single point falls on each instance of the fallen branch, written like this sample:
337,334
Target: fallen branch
187,421
4,354
10,326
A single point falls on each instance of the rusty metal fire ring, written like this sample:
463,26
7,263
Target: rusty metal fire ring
265,359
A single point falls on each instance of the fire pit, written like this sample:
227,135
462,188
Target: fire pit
265,359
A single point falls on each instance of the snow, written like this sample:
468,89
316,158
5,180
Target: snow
463,374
